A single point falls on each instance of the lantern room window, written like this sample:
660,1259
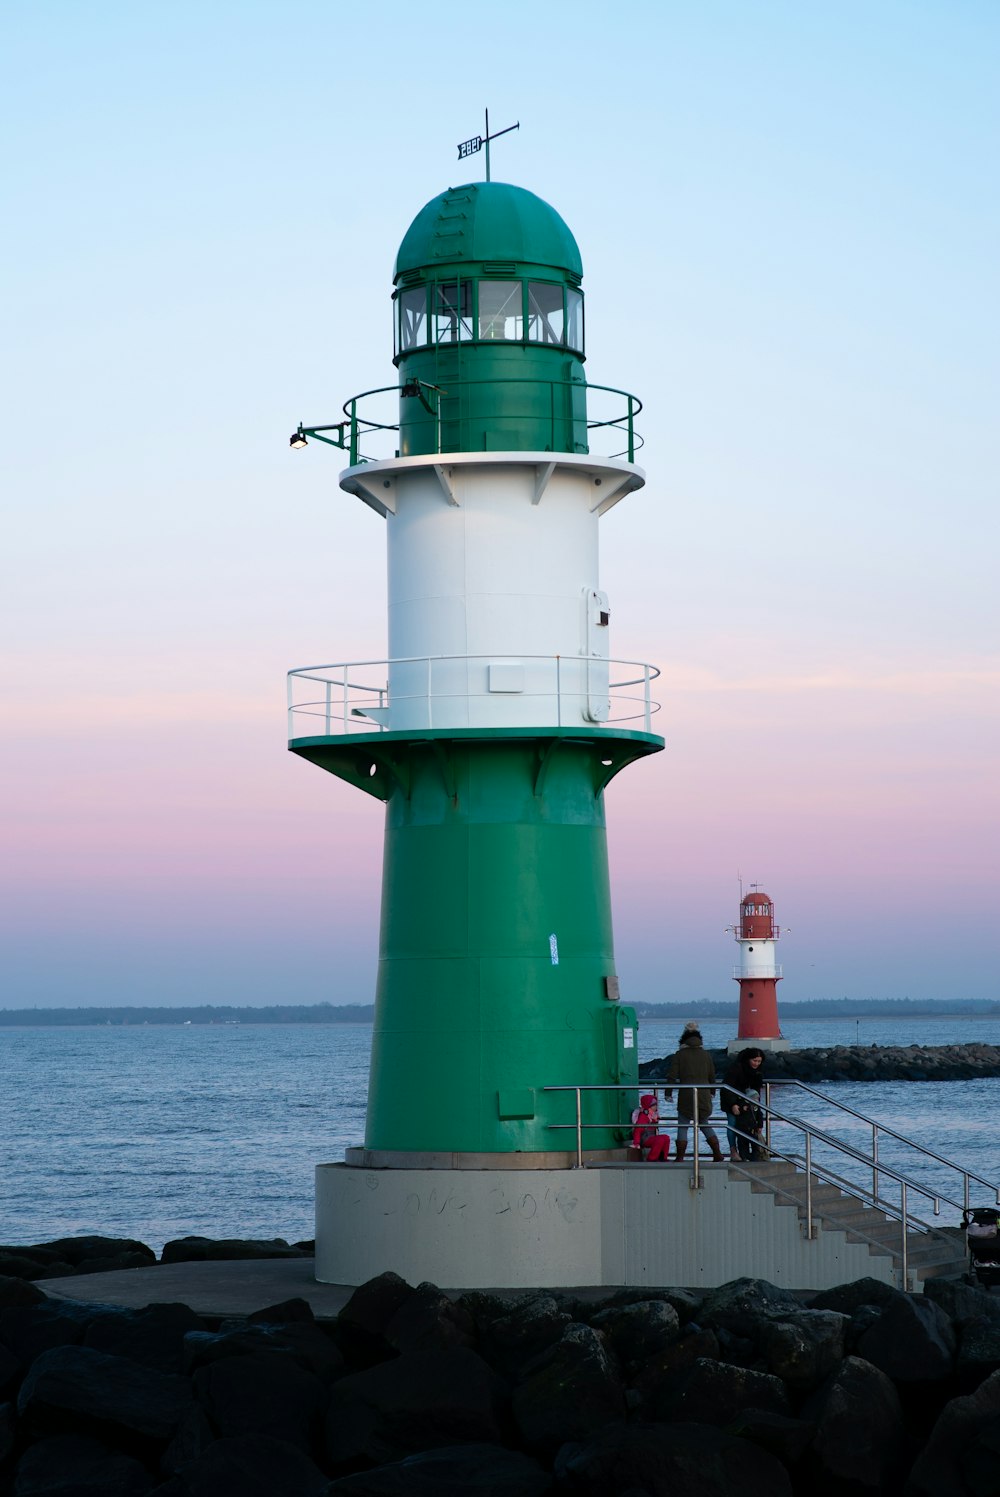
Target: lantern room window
453,312
500,311
574,320
546,323
411,311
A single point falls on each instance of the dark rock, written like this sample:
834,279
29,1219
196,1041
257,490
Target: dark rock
530,1327
17,1291
418,1401
567,1391
153,1336
978,1350
289,1312
781,1434
938,1468
28,1330
78,1466
846,1298
429,1318
679,1460
743,1305
226,1249
962,1302
74,1255
362,1322
305,1342
485,1306
979,1460
716,1393
859,1440
22,1263
912,1341
660,1375
7,1430
10,1371
462,1470
74,1390
864,1317
249,1466
82,1251
191,1439
263,1393
739,1350
639,1331
805,1348
686,1302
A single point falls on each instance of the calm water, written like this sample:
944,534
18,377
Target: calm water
155,1133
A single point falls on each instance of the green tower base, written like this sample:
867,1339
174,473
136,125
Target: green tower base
496,972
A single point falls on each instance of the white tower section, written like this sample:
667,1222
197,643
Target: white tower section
496,615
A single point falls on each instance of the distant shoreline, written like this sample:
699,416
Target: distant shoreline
217,1016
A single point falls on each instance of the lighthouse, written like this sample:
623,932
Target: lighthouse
757,974
490,732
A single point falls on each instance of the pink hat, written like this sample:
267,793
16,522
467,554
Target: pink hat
648,1100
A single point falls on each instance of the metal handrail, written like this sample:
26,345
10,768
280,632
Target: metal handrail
339,717
902,1213
878,1128
351,432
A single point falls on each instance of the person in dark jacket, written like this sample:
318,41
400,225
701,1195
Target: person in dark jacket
740,1095
692,1063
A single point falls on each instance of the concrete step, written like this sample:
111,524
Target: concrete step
835,1210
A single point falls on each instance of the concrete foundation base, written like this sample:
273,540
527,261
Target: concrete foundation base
614,1224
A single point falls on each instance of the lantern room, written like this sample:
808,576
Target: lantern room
488,326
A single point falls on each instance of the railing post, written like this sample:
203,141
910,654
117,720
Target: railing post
809,1186
631,435
579,1130
346,696
695,1162
291,709
559,691
430,712
354,433
903,1256
875,1162
767,1115
329,705
647,714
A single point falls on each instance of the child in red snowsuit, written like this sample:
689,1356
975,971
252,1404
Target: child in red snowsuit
644,1135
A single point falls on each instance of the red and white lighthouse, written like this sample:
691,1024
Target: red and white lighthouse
758,974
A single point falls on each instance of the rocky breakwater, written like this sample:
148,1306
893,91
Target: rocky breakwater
863,1063
654,1392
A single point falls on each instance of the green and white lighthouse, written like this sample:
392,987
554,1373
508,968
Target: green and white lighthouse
490,733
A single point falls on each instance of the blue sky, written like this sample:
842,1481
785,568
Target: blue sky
789,225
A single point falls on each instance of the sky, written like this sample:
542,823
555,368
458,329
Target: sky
789,224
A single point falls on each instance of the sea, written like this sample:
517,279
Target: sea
160,1131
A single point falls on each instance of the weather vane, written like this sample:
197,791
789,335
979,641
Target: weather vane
470,147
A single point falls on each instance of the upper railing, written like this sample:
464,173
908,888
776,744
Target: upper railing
449,691
373,435
757,972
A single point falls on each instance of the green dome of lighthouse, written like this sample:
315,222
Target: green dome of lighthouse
491,222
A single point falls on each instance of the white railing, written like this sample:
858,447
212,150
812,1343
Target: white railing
453,691
757,974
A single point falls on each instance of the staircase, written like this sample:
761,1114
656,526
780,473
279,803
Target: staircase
931,1252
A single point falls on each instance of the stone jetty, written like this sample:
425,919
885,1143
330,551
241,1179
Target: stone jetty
652,1392
863,1063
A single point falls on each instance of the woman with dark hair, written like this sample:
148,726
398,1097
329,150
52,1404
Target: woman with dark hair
740,1095
693,1063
